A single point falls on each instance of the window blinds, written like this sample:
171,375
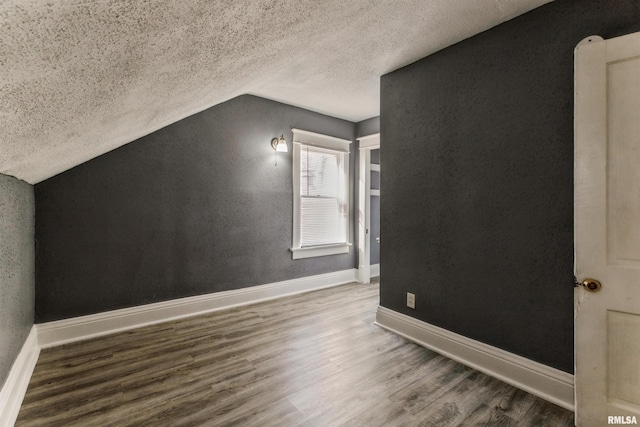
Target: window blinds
322,197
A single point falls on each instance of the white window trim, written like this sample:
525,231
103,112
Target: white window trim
303,137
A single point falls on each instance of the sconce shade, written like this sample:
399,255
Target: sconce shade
279,144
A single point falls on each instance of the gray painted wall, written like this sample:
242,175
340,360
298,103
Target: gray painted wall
194,208
16,269
368,127
477,212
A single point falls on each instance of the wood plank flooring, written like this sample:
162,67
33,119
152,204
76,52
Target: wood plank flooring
315,359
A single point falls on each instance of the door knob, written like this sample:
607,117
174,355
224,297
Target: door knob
591,285
378,239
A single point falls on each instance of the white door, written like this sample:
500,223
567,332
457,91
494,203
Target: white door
607,230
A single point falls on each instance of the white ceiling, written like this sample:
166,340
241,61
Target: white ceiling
79,78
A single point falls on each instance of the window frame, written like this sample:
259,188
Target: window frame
305,138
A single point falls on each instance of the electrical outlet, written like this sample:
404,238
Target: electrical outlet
411,300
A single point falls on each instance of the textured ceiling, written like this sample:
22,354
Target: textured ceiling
79,78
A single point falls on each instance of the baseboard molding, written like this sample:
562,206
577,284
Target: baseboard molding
15,387
60,332
375,270
541,380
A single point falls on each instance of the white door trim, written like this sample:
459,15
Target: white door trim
367,143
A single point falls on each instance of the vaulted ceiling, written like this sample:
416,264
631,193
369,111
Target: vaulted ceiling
79,78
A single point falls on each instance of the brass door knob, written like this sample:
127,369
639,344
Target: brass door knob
591,285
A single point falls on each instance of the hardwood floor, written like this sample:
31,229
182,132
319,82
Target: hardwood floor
315,359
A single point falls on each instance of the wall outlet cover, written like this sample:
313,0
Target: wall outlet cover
411,300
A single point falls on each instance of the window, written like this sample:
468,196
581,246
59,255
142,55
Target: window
320,195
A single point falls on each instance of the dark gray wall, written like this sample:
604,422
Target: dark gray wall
368,127
16,269
194,208
477,212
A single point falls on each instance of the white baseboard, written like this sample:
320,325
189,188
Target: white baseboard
15,387
541,380
375,270
59,332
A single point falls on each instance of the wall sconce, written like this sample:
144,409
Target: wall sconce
279,144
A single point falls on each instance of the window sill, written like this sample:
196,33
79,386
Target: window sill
315,251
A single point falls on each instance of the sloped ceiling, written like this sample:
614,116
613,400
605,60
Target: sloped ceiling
79,78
